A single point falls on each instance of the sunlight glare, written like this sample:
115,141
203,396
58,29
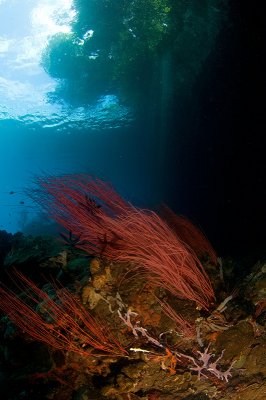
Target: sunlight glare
52,16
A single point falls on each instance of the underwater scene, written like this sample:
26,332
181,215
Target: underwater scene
132,200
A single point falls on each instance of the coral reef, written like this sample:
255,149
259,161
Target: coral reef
108,323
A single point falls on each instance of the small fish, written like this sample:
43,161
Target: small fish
21,202
11,192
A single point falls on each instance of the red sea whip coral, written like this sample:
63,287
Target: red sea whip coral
63,324
112,228
190,234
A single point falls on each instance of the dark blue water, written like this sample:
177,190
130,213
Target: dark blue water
166,103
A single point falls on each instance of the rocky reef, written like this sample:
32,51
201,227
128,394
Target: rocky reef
126,304
157,346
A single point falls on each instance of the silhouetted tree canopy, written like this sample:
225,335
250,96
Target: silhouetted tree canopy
119,45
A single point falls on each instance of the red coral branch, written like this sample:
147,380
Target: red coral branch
150,243
190,234
184,327
109,226
62,323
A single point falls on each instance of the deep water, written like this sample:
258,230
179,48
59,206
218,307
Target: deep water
199,150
